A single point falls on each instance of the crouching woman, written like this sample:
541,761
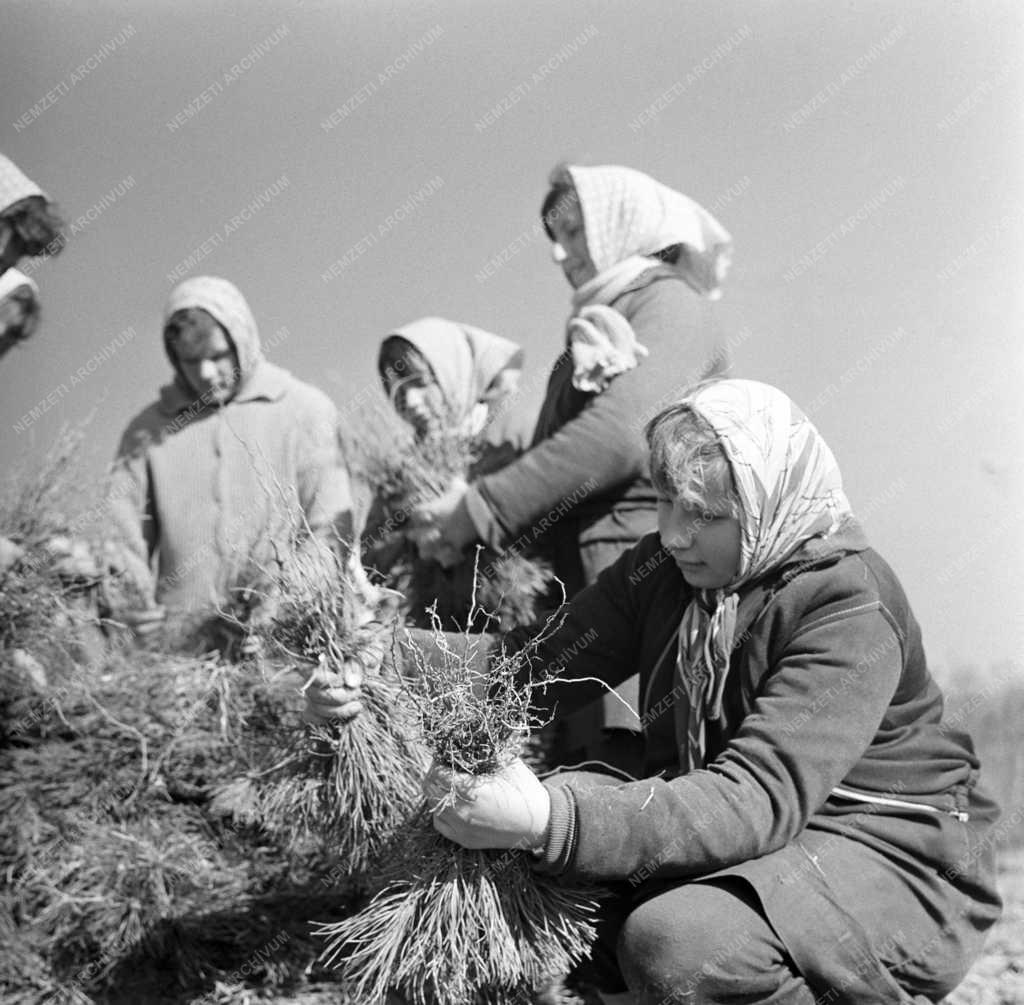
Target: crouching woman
808,829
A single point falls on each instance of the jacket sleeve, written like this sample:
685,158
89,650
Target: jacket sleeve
323,483
817,713
129,500
602,446
594,647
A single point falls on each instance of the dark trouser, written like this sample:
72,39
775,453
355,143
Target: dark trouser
710,941
700,943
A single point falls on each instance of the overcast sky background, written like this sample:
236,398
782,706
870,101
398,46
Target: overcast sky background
902,337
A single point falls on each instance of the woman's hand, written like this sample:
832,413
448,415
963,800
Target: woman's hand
433,548
145,622
337,696
509,809
443,528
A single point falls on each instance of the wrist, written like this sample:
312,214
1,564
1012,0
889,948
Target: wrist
540,842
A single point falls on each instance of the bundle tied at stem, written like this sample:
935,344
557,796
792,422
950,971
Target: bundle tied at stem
450,925
345,786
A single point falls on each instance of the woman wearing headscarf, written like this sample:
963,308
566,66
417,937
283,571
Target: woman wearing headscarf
645,262
808,828
452,383
446,377
29,225
236,460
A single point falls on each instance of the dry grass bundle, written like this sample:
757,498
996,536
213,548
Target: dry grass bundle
342,786
449,925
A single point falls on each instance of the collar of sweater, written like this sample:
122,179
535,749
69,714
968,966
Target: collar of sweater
266,383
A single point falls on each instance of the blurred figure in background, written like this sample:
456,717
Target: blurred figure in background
235,463
19,309
643,261
30,225
447,378
452,384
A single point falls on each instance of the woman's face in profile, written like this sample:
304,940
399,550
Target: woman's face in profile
570,246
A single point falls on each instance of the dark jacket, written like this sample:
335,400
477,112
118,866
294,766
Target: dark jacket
583,485
833,753
828,688
832,734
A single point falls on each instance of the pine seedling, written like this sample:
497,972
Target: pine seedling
452,926
405,473
345,786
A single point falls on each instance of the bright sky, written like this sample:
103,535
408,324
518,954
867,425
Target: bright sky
865,156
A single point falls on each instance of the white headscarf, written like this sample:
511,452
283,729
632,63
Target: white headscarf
13,280
15,185
224,302
465,361
790,491
628,216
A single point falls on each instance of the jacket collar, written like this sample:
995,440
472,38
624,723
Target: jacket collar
847,538
648,276
266,383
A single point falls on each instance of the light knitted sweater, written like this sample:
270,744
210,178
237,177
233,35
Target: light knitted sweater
205,493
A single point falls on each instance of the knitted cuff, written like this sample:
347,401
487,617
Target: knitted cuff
561,843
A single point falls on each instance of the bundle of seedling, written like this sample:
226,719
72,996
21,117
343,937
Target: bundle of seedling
341,787
447,925
403,473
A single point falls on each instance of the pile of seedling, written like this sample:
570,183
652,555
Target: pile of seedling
119,873
170,827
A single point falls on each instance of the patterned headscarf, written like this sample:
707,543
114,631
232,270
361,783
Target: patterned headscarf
628,216
790,491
